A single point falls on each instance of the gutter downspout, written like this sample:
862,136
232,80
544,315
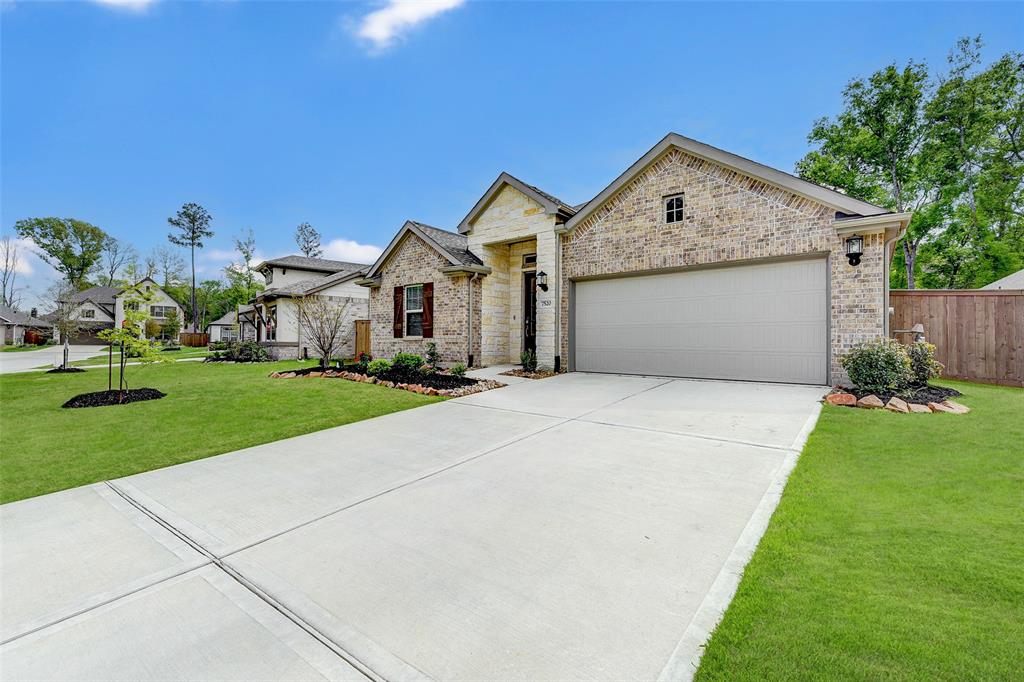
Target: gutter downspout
888,250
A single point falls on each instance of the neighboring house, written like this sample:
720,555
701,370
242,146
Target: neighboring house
101,307
13,325
694,262
224,328
289,280
1012,281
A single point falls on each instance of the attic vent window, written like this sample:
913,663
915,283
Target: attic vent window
529,260
674,209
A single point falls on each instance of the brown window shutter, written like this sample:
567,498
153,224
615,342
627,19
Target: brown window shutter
399,308
428,310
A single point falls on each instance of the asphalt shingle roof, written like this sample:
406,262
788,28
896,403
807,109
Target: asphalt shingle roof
455,244
101,295
22,319
318,264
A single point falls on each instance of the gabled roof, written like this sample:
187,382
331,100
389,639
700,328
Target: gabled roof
11,316
312,285
837,200
312,264
99,295
551,204
229,318
452,246
1012,281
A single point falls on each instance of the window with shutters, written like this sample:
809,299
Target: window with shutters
674,208
414,310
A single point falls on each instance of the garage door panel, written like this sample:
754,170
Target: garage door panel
763,322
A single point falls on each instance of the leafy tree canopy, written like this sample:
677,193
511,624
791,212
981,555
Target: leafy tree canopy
73,247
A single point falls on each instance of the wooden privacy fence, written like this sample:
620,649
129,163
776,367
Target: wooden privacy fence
195,339
362,337
978,334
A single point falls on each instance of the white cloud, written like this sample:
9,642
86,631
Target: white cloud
130,5
353,252
383,27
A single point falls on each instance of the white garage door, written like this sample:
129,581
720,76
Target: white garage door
763,322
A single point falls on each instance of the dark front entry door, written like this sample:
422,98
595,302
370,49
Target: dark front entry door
530,311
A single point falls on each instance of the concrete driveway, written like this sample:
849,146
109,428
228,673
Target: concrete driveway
584,526
21,361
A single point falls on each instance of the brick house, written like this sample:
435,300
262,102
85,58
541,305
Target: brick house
694,262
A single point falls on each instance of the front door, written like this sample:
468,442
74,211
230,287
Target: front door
530,311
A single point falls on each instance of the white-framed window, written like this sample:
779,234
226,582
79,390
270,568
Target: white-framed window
414,310
674,208
131,305
160,312
529,260
87,314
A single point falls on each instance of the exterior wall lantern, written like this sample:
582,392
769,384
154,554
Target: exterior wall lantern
542,280
854,249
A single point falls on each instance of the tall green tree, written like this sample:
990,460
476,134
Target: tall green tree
73,247
192,223
872,149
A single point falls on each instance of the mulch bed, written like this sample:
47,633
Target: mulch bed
436,383
538,374
104,398
64,370
922,395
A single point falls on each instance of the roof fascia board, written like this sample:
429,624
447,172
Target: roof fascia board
408,227
803,188
550,207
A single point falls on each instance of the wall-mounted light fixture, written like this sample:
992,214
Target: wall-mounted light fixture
542,280
854,249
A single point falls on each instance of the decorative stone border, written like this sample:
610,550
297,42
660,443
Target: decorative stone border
480,386
873,402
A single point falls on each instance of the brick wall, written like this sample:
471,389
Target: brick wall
729,217
414,262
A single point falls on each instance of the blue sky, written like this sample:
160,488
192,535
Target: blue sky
357,116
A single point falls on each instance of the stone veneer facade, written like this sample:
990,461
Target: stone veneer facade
414,262
729,218
511,225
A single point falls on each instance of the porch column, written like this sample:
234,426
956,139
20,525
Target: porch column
547,301
494,313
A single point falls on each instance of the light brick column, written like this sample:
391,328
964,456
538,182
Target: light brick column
547,302
494,306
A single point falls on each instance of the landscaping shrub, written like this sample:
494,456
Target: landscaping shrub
879,366
363,362
378,368
923,363
459,369
407,362
528,359
433,357
218,345
248,351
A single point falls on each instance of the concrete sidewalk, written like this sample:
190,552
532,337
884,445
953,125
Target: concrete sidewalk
583,526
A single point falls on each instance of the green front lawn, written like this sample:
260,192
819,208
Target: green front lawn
19,349
897,552
102,359
209,409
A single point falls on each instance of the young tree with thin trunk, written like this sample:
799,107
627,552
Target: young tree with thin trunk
308,241
65,321
10,259
325,324
73,247
192,222
130,337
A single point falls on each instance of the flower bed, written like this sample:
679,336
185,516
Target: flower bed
535,374
434,383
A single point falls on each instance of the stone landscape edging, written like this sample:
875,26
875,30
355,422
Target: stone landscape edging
898,405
